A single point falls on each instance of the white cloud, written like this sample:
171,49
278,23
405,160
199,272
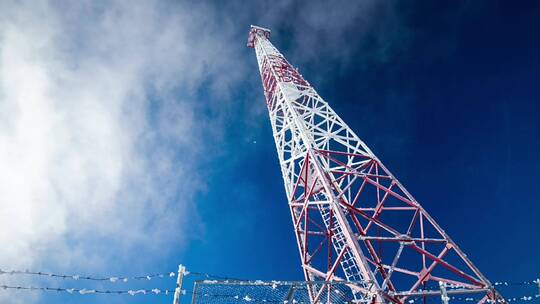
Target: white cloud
334,32
98,131
101,131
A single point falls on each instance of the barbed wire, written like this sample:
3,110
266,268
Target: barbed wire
133,292
84,291
112,279
506,283
509,299
170,274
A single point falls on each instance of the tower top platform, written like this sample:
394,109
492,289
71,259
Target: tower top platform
254,31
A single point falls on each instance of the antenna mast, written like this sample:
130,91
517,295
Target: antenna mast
353,220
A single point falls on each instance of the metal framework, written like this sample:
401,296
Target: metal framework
353,220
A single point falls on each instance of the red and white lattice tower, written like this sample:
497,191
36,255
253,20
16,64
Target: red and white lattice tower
353,220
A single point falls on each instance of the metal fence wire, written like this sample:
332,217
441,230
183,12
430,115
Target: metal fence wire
285,292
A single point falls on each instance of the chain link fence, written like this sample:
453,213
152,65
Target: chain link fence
285,292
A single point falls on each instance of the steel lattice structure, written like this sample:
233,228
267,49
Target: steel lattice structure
353,220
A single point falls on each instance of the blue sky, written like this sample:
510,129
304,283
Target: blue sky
143,139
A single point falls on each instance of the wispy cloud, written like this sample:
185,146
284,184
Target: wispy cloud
333,31
99,138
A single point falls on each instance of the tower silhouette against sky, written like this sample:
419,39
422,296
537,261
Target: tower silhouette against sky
353,220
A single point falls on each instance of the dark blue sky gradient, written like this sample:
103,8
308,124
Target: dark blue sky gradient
450,106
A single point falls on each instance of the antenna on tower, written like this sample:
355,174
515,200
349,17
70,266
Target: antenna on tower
257,30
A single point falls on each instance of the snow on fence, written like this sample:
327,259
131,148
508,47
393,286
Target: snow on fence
285,292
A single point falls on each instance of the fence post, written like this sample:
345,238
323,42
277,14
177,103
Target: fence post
179,279
290,294
444,294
